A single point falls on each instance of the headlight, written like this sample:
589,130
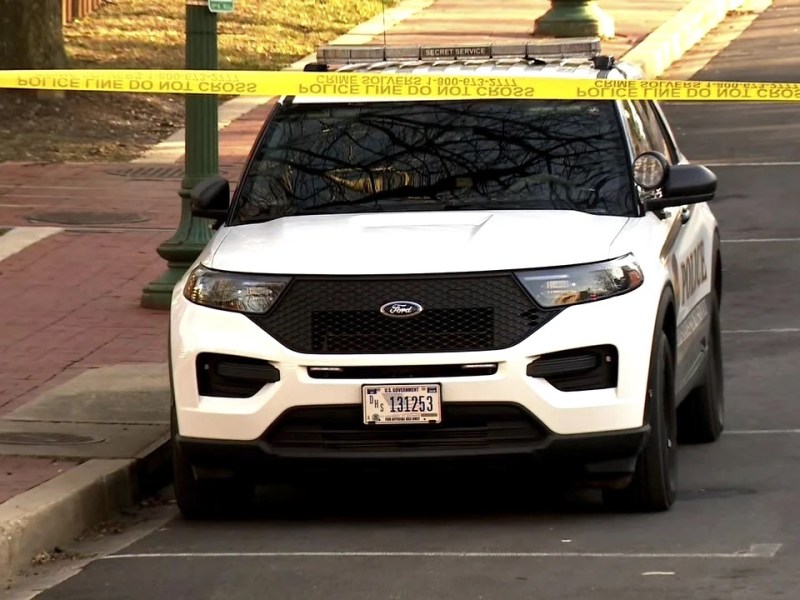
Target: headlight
244,293
582,283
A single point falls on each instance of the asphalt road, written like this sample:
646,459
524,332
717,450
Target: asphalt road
733,534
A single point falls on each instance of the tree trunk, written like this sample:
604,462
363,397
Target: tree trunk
30,35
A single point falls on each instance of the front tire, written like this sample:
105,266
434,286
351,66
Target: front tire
701,417
654,484
200,499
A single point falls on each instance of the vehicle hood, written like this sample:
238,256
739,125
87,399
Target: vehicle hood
415,242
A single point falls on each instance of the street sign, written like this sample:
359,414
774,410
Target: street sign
220,6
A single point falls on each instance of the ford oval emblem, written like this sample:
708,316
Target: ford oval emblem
401,309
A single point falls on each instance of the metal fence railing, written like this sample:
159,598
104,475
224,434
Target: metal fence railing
77,9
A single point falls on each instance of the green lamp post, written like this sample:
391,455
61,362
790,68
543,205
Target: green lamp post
574,18
201,158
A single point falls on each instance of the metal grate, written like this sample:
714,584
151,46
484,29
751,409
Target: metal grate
49,438
355,331
460,313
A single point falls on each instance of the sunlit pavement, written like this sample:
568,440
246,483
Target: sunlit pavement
733,532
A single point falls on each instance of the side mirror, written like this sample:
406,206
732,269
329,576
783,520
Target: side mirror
680,184
690,184
210,198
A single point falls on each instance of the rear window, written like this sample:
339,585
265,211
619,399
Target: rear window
454,155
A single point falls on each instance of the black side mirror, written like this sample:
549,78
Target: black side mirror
680,184
210,198
690,184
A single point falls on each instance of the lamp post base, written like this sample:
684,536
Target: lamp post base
574,18
180,251
157,295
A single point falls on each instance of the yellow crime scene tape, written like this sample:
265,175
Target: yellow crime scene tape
439,86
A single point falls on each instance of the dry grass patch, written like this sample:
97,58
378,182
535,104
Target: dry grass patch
259,34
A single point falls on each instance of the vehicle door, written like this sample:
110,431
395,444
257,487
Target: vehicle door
687,251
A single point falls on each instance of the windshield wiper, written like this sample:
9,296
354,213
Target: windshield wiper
408,192
516,204
399,200
489,205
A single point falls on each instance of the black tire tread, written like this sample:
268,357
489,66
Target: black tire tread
649,489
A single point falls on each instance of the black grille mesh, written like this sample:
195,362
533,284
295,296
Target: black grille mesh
460,313
340,429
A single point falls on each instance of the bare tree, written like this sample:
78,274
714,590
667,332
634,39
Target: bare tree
30,35
556,155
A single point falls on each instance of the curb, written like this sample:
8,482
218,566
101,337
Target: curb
61,509
671,40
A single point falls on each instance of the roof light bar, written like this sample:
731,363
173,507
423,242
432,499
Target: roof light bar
543,49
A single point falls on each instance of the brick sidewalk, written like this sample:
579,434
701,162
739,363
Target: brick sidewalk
71,301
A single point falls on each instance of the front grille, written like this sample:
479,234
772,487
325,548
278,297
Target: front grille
340,430
460,313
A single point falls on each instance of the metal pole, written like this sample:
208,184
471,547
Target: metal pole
201,158
574,18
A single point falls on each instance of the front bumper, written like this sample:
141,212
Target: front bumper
623,322
602,458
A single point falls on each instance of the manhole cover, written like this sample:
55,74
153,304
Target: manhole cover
40,438
149,172
87,218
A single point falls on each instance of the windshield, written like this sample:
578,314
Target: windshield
454,155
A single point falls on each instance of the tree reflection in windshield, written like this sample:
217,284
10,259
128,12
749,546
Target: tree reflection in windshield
454,155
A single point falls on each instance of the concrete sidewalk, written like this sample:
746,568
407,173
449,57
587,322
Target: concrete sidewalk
83,387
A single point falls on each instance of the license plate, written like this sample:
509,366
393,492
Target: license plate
402,404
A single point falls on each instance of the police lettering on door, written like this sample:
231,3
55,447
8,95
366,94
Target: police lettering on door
693,271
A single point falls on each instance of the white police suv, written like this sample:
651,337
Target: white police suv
401,282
